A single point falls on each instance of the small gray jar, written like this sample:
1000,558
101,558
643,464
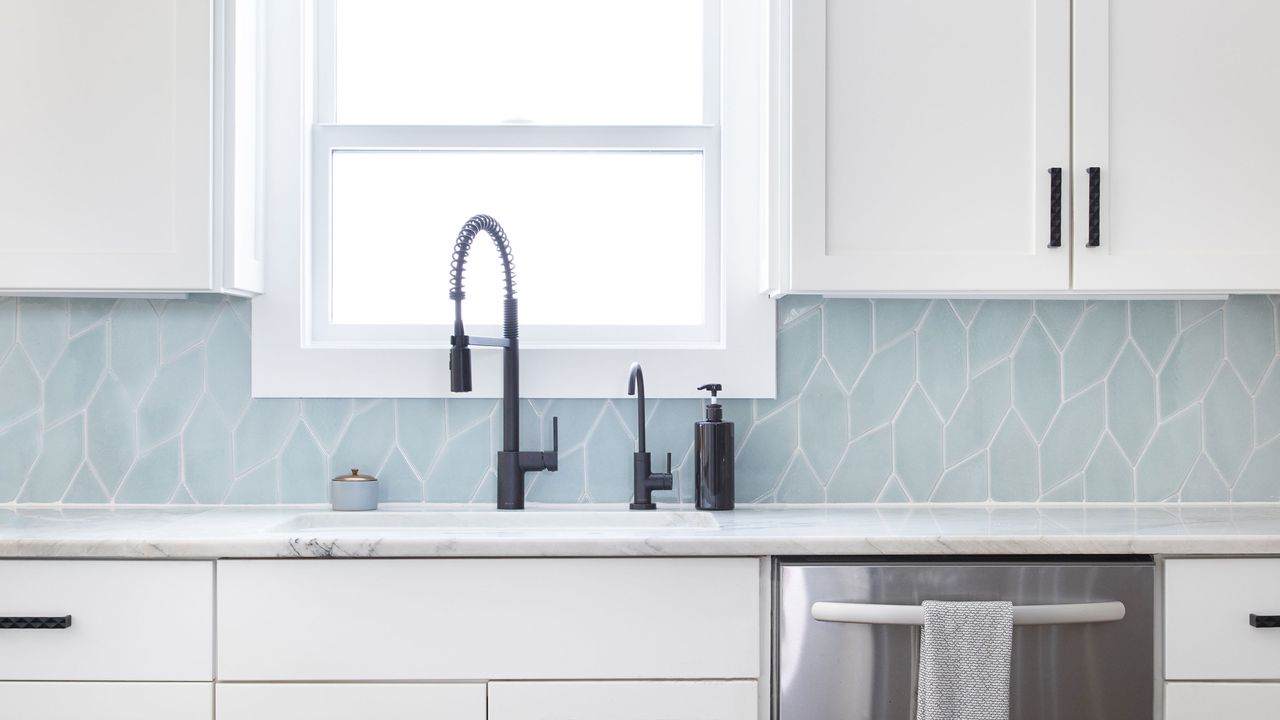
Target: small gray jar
354,491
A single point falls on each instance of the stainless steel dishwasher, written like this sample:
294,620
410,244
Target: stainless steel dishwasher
1072,658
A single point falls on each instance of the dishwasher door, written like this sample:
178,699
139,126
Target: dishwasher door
848,671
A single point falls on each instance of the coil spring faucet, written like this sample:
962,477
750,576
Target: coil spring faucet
512,462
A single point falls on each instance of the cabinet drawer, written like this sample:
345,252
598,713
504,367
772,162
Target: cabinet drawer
106,701
578,618
342,702
655,700
1231,701
1207,630
130,620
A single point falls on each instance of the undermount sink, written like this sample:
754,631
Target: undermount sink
494,520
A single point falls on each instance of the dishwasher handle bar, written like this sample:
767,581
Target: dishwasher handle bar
873,614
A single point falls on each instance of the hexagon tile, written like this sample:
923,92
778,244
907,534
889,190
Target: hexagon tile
136,401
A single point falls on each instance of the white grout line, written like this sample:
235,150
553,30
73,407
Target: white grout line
93,472
1071,330
21,419
26,479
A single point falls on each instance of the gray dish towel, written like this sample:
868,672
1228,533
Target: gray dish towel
964,661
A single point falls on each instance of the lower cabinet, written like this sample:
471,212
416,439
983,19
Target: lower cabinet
106,701
1233,701
1207,604
311,701
1218,664
132,620
432,639
487,619
626,700
724,700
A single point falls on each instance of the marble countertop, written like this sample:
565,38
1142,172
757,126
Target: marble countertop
453,531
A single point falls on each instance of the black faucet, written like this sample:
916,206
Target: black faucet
646,481
512,462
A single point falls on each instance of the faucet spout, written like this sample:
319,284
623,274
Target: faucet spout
512,464
635,386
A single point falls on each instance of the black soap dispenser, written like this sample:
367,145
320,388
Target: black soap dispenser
713,449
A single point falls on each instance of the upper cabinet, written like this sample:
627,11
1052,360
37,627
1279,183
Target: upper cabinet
1177,103
945,147
122,131
922,135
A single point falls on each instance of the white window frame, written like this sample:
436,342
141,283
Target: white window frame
297,355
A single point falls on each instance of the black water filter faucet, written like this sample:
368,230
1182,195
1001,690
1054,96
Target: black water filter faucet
644,479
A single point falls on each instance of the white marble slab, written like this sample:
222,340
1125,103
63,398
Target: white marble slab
310,531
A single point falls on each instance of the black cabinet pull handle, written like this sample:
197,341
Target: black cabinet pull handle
1055,207
1095,207
1264,621
35,623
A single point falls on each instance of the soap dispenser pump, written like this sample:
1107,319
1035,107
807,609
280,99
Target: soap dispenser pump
713,450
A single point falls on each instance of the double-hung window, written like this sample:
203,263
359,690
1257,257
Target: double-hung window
620,143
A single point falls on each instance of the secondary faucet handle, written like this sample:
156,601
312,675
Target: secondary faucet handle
647,482
552,459
662,480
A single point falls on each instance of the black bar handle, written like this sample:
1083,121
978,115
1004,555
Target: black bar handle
1264,621
35,623
1055,207
1095,207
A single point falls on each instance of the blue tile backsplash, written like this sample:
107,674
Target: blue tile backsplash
136,401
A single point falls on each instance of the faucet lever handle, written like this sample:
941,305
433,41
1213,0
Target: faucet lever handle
668,463
551,458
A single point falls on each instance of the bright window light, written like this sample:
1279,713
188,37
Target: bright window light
599,238
588,128
549,62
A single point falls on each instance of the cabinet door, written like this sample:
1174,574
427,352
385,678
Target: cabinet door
623,700
342,702
106,701
513,618
1177,103
922,135
1207,604
129,620
1237,701
106,134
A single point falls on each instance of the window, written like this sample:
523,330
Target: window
619,142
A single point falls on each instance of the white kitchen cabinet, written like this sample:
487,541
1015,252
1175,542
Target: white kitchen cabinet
1230,701
391,701
921,139
106,701
129,620
1208,635
465,619
124,125
920,135
653,700
1177,104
